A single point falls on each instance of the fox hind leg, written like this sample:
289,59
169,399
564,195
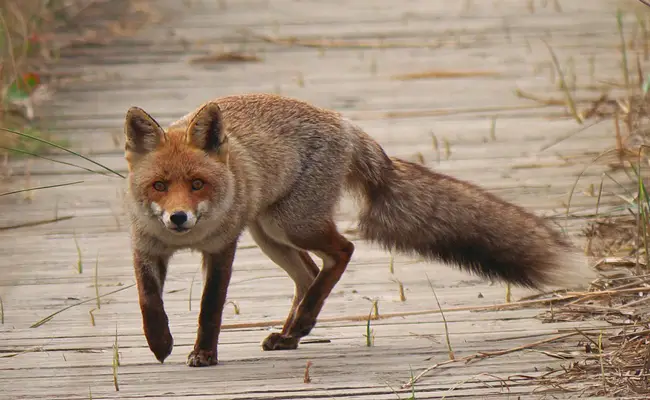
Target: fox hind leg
335,250
302,220
297,263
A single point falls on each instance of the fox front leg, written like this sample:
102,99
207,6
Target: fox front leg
217,269
150,272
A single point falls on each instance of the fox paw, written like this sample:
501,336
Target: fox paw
161,346
201,358
278,341
156,331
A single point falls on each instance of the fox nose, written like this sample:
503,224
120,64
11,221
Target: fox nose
178,218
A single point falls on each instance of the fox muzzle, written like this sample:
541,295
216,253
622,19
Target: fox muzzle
179,220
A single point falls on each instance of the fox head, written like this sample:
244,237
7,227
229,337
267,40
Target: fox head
179,177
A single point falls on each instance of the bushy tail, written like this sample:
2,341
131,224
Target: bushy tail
409,208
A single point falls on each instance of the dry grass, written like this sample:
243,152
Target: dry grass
32,35
337,44
614,358
24,49
615,361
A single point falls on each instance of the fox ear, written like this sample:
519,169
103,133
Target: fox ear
206,130
142,132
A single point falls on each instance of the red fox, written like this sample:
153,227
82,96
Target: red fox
278,167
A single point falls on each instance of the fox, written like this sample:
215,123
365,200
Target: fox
277,167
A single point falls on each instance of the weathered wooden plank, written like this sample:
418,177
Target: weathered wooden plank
37,267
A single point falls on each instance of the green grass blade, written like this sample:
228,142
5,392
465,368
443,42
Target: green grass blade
575,184
80,265
36,223
99,303
368,332
569,99
444,321
645,207
600,194
29,153
40,187
61,148
619,25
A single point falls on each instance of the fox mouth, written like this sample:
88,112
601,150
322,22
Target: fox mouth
178,229
184,229
175,229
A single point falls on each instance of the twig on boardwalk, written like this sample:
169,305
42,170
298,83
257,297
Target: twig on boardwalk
483,355
33,349
456,111
496,307
436,74
341,44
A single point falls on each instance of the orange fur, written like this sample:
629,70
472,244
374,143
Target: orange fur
278,167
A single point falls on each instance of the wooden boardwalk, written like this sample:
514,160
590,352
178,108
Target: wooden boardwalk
353,57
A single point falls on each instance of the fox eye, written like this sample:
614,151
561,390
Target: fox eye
159,186
197,184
